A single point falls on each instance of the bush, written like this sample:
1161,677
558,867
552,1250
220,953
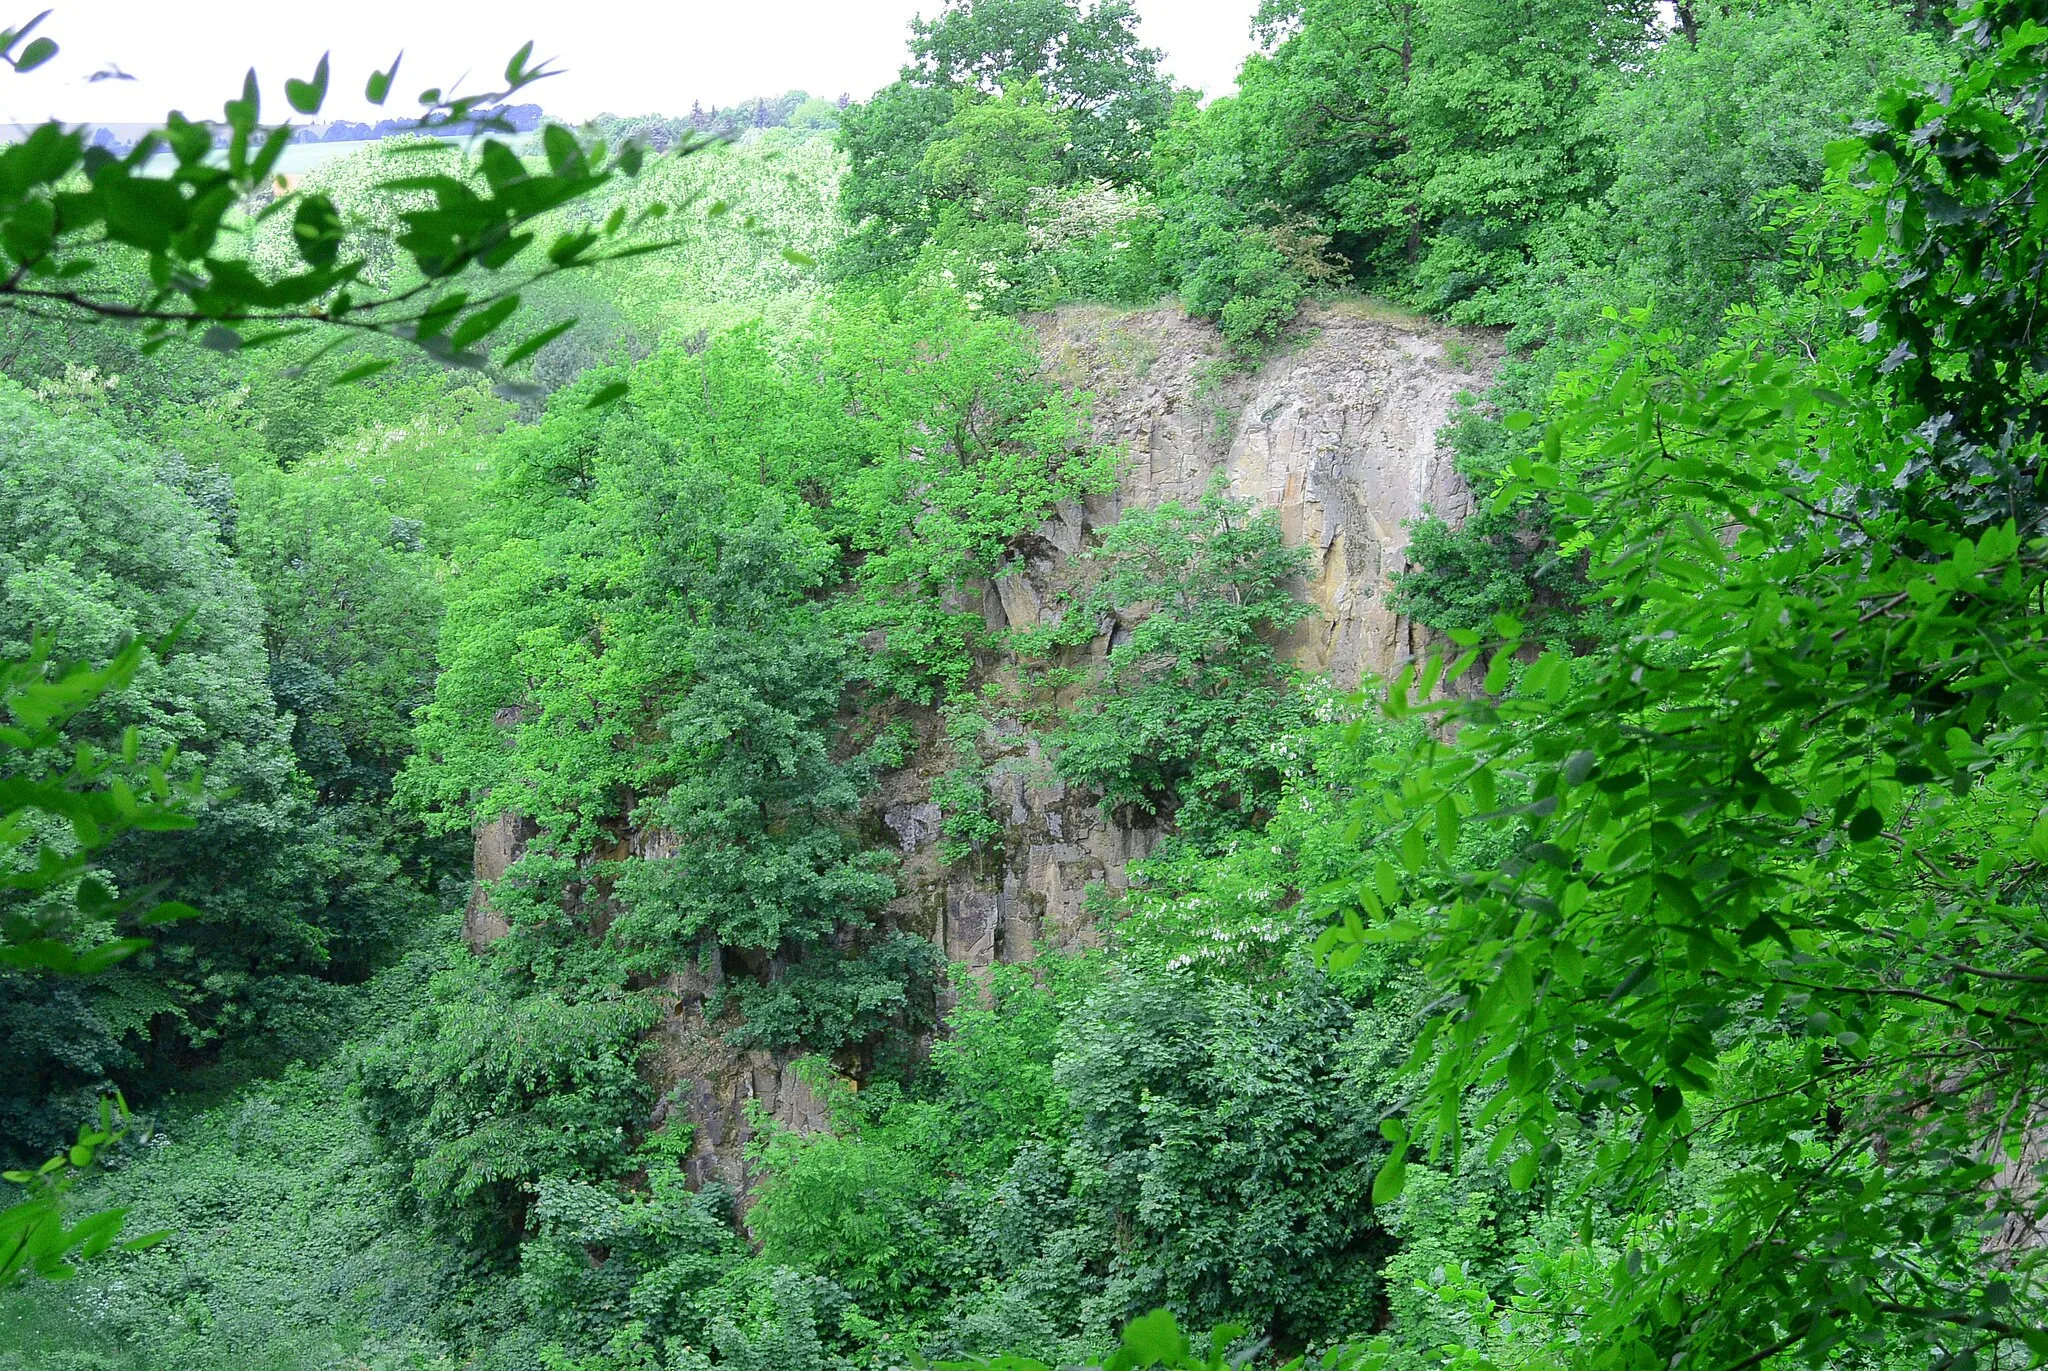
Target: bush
1184,716
496,1084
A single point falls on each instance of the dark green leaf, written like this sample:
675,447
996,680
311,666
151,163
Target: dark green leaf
379,85
362,370
482,322
317,230
38,51
307,96
535,343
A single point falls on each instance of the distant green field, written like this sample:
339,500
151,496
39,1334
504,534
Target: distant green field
298,159
301,158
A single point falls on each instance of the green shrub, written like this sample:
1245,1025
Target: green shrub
1183,720
495,1084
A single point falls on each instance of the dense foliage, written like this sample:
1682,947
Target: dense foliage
1645,978
62,809
1774,907
1193,703
103,548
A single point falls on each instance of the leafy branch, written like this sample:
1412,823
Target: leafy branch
61,804
75,220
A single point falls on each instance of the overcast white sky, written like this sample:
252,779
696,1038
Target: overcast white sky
625,56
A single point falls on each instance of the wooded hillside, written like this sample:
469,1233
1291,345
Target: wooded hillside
1390,722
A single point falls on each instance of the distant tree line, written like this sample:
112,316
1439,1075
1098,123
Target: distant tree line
521,119
792,109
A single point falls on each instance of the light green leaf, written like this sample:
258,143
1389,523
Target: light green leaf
1391,1179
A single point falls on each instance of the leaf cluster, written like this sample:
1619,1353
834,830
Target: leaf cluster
48,882
124,238
1192,696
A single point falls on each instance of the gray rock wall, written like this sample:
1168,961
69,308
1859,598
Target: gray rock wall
1338,433
498,844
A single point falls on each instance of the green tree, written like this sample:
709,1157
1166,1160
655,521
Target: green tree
637,649
1499,133
988,170
1223,1127
1710,138
500,1081
97,546
351,609
1186,720
966,450
1317,126
1715,218
1215,228
1756,963
1418,147
1084,56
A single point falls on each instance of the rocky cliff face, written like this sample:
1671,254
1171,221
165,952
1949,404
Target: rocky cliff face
1336,432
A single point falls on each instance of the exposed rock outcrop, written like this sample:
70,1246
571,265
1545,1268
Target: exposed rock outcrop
1337,432
499,843
716,1086
1000,907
